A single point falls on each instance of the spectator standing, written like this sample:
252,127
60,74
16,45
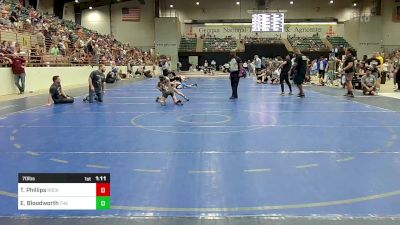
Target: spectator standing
284,76
4,21
14,17
380,58
40,38
396,67
165,67
18,69
331,70
205,67
246,67
179,66
349,70
322,67
257,62
96,84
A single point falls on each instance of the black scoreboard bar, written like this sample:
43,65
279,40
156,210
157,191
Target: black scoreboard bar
63,178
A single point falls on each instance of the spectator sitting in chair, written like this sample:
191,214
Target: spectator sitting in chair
138,73
147,73
368,82
262,76
115,70
56,93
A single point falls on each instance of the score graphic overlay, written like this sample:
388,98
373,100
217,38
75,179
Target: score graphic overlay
63,191
268,22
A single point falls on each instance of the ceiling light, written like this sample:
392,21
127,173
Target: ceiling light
237,3
90,7
197,3
171,6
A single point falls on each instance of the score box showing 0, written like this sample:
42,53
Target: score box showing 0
64,191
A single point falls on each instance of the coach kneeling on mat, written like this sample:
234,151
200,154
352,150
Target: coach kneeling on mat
56,93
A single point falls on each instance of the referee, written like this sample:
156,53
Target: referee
299,69
235,68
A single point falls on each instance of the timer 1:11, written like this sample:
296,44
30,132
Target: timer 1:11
101,178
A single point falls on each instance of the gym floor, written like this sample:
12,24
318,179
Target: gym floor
262,154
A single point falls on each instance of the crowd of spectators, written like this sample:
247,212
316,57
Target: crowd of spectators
214,44
313,43
56,41
262,40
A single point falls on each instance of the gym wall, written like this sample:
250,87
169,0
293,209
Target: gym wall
46,6
97,19
140,34
167,38
39,78
390,28
69,13
245,30
227,9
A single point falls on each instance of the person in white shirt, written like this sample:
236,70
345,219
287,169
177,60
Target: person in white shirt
213,67
252,68
205,67
257,62
314,68
246,67
235,68
226,67
179,66
165,67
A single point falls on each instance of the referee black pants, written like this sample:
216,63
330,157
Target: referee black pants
285,78
234,83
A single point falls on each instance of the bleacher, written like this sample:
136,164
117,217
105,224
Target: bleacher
313,43
267,40
338,42
188,44
219,44
31,21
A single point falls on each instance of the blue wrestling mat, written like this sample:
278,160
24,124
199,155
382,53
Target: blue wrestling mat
262,154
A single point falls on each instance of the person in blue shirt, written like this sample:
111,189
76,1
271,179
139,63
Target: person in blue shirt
115,70
322,65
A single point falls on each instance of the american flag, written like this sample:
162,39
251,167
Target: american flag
131,14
